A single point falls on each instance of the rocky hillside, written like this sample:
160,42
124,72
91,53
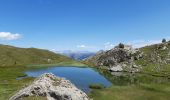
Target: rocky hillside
52,88
14,56
117,59
156,59
153,59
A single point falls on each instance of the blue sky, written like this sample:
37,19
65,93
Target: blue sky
83,24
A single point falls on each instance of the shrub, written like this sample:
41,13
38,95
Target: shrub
96,86
163,40
121,45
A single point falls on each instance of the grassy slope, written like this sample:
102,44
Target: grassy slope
13,56
151,63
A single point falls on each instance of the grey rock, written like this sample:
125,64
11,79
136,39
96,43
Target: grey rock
117,68
52,87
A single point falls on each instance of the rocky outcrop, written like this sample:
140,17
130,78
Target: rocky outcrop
51,87
117,59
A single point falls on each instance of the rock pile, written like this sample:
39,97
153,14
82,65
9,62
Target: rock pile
117,58
52,87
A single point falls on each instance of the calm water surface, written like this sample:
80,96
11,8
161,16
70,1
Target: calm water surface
81,77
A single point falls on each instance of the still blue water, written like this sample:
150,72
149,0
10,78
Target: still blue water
81,77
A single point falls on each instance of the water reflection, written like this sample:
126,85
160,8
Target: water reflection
125,78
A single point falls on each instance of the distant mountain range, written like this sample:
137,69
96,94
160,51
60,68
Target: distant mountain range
77,55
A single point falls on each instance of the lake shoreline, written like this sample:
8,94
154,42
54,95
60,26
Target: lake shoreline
19,71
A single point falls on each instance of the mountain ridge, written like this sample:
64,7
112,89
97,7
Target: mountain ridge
77,55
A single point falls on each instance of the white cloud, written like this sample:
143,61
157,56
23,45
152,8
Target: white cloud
53,50
86,47
142,43
9,36
82,46
108,45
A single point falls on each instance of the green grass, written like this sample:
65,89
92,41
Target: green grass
133,87
133,92
8,83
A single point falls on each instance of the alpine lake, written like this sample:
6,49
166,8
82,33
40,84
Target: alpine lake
83,77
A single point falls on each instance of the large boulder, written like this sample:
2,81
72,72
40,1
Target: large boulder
51,87
117,68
